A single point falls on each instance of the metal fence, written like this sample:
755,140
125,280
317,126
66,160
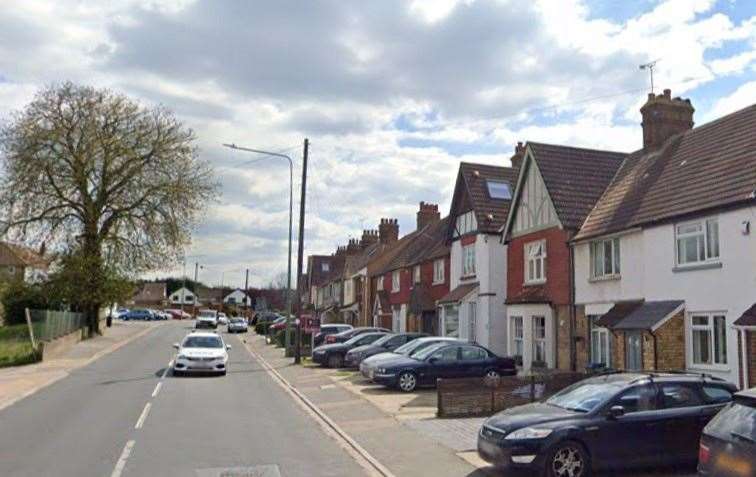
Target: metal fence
48,325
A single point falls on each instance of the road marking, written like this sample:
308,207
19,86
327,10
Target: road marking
143,417
122,460
157,389
165,373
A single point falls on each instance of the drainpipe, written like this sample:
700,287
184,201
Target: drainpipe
656,354
573,317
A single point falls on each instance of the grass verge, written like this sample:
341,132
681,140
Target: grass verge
15,346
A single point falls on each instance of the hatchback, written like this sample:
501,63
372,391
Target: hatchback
728,442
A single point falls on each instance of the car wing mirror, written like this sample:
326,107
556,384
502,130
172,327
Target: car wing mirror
433,359
228,347
176,345
616,411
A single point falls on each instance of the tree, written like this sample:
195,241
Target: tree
97,176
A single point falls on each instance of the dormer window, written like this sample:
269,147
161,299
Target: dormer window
466,223
325,267
499,190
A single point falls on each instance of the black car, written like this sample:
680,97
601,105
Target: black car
329,329
349,334
332,355
388,343
728,442
444,360
607,421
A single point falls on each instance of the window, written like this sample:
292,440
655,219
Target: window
697,242
605,258
395,281
447,354
451,321
539,339
472,353
499,190
466,223
379,284
709,335
716,394
416,274
325,267
438,271
599,342
468,260
637,399
679,395
535,262
517,335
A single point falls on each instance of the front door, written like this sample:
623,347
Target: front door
633,351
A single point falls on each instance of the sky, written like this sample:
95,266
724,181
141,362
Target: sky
392,94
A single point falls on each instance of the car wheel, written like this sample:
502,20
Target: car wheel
492,374
567,459
335,361
177,373
407,381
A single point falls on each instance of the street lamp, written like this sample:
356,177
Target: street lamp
291,208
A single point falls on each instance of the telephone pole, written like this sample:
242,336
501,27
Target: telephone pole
300,252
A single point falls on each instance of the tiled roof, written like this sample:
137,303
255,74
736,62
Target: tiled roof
424,244
490,213
575,178
530,294
639,315
380,264
705,168
25,256
748,318
459,293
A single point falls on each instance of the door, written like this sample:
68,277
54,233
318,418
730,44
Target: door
444,364
682,405
633,351
429,323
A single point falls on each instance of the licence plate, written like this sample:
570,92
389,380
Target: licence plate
733,464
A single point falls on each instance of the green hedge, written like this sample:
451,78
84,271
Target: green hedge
278,340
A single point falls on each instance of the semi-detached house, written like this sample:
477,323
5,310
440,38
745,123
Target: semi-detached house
665,263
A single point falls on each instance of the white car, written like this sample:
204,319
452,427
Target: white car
207,319
222,318
237,325
201,352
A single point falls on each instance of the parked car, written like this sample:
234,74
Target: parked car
443,360
329,329
609,421
118,313
332,355
728,442
388,343
222,318
160,315
201,352
177,314
145,315
369,365
349,334
207,319
237,325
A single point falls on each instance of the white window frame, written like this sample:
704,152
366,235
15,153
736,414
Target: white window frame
395,281
517,326
599,334
466,223
468,260
702,236
379,283
438,271
416,274
598,258
539,342
715,359
538,275
472,321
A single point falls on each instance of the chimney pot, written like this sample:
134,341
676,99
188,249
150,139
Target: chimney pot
518,155
664,117
427,214
388,231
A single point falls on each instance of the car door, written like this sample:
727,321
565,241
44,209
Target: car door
395,342
630,439
680,414
473,361
443,364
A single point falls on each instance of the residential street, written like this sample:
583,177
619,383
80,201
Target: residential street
85,423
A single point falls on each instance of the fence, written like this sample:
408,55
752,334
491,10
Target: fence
49,325
482,396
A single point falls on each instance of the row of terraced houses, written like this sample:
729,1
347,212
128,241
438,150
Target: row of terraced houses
572,258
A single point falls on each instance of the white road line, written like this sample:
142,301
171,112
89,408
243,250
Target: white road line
143,417
157,389
165,373
122,460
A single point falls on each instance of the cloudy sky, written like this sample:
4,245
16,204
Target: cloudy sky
393,94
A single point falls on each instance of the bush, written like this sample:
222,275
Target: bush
281,336
262,328
19,295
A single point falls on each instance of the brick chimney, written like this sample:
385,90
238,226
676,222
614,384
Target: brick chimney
663,117
340,250
427,214
369,237
518,155
353,247
388,231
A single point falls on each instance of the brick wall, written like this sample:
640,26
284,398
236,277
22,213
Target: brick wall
647,348
562,317
557,286
670,344
618,349
583,343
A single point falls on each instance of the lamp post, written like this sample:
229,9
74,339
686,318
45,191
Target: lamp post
291,208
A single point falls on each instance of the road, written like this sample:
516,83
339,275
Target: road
124,415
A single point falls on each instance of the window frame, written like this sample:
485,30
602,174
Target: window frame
416,274
517,341
597,246
468,260
496,183
598,333
465,223
379,283
439,271
539,263
539,342
710,328
703,235
396,281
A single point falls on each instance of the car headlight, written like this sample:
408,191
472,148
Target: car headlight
381,370
529,433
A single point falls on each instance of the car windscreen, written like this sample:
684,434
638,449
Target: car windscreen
585,396
415,346
207,314
736,420
383,340
203,342
237,320
425,352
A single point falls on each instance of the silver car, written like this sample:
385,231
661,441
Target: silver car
201,352
369,365
237,325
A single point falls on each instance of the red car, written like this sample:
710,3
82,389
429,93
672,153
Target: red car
178,314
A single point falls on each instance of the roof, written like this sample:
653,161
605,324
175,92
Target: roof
315,268
21,255
421,245
748,318
575,178
530,294
639,315
491,214
459,293
151,292
706,168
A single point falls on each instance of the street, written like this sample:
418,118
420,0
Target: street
125,415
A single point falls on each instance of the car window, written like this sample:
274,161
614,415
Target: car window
637,398
735,420
446,355
716,394
679,395
471,353
203,342
367,339
396,341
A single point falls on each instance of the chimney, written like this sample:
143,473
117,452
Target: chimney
353,247
428,214
340,251
369,237
388,231
663,117
518,156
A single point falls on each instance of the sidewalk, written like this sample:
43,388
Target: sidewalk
19,382
399,447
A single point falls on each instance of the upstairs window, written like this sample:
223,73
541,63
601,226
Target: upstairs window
325,267
416,274
379,283
605,258
466,223
499,190
468,260
438,271
535,262
395,281
697,242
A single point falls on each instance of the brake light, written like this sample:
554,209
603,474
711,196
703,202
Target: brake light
703,454
330,339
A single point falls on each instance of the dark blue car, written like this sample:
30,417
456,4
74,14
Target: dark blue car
138,315
444,360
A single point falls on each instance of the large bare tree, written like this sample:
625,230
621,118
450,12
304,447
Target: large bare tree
95,175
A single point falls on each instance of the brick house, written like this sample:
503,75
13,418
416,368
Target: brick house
557,187
18,262
674,226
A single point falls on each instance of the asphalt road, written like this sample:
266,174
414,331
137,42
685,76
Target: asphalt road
120,417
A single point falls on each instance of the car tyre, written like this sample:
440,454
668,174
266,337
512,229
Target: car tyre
177,373
407,381
568,459
335,361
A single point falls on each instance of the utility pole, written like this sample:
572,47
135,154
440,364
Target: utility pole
246,293
300,252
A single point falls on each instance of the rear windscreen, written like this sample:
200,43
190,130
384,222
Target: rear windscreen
737,420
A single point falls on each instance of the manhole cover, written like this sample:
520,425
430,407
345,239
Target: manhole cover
254,471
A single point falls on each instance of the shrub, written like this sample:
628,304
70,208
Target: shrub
18,295
281,336
262,328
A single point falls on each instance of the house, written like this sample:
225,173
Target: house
18,262
183,296
318,268
473,309
237,297
556,188
665,263
150,295
328,294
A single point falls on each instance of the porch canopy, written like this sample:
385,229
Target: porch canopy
456,295
640,315
747,319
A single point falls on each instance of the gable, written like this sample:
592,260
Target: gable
534,209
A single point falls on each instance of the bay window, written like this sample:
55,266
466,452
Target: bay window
605,258
709,339
697,242
535,262
468,260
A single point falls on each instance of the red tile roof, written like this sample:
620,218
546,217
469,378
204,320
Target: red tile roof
490,213
459,293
